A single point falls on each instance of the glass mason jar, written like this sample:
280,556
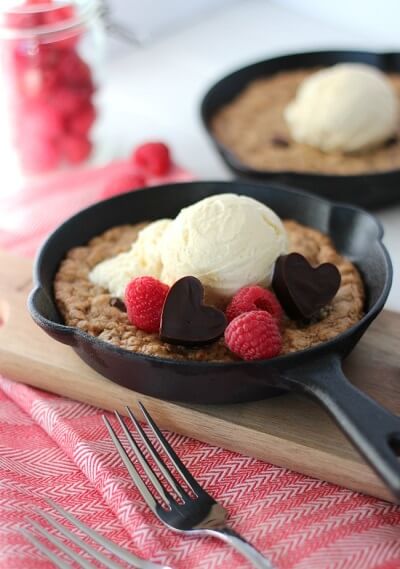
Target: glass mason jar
51,52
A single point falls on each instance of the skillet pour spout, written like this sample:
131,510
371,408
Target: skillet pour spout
316,372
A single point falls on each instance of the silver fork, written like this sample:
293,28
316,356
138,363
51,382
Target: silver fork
107,544
196,514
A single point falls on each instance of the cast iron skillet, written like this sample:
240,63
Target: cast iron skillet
317,371
365,190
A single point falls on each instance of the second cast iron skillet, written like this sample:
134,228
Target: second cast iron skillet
369,189
316,371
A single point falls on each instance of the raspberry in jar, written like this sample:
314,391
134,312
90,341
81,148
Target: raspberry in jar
50,53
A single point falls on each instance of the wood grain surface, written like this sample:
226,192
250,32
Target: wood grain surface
289,431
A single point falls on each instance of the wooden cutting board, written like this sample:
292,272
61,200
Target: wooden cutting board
288,431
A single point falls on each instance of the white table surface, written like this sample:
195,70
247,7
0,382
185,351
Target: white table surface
154,92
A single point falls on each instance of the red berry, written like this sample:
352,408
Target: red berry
153,157
74,70
68,101
30,82
22,19
40,121
82,121
76,149
57,14
47,56
254,336
144,300
48,79
254,298
122,184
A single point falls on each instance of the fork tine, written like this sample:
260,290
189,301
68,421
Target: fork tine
49,554
104,541
156,457
169,451
61,546
164,494
134,474
75,539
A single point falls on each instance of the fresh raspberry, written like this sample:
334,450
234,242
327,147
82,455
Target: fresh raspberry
69,101
22,19
76,148
30,83
144,300
82,121
74,70
57,14
254,336
254,298
37,82
47,56
38,120
48,80
122,184
153,157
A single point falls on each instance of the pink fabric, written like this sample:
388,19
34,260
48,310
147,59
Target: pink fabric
57,448
27,217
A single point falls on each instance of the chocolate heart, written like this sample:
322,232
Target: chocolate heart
186,320
302,289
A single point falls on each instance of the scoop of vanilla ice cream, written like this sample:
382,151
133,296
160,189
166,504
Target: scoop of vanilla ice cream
348,107
142,259
226,241
146,247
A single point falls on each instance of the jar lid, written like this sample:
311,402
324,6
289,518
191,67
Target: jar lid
27,18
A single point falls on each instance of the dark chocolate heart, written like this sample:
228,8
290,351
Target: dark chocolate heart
186,320
302,289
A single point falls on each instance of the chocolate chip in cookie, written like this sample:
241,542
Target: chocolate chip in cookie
118,303
280,140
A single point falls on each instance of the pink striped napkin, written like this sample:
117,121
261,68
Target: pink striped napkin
57,448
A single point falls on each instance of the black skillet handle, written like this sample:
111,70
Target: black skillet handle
373,430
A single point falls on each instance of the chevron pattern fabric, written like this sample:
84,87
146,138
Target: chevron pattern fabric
57,448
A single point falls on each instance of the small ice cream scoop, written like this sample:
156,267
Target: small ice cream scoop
346,108
143,259
226,241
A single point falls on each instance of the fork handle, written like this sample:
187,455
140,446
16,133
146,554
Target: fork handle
244,547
